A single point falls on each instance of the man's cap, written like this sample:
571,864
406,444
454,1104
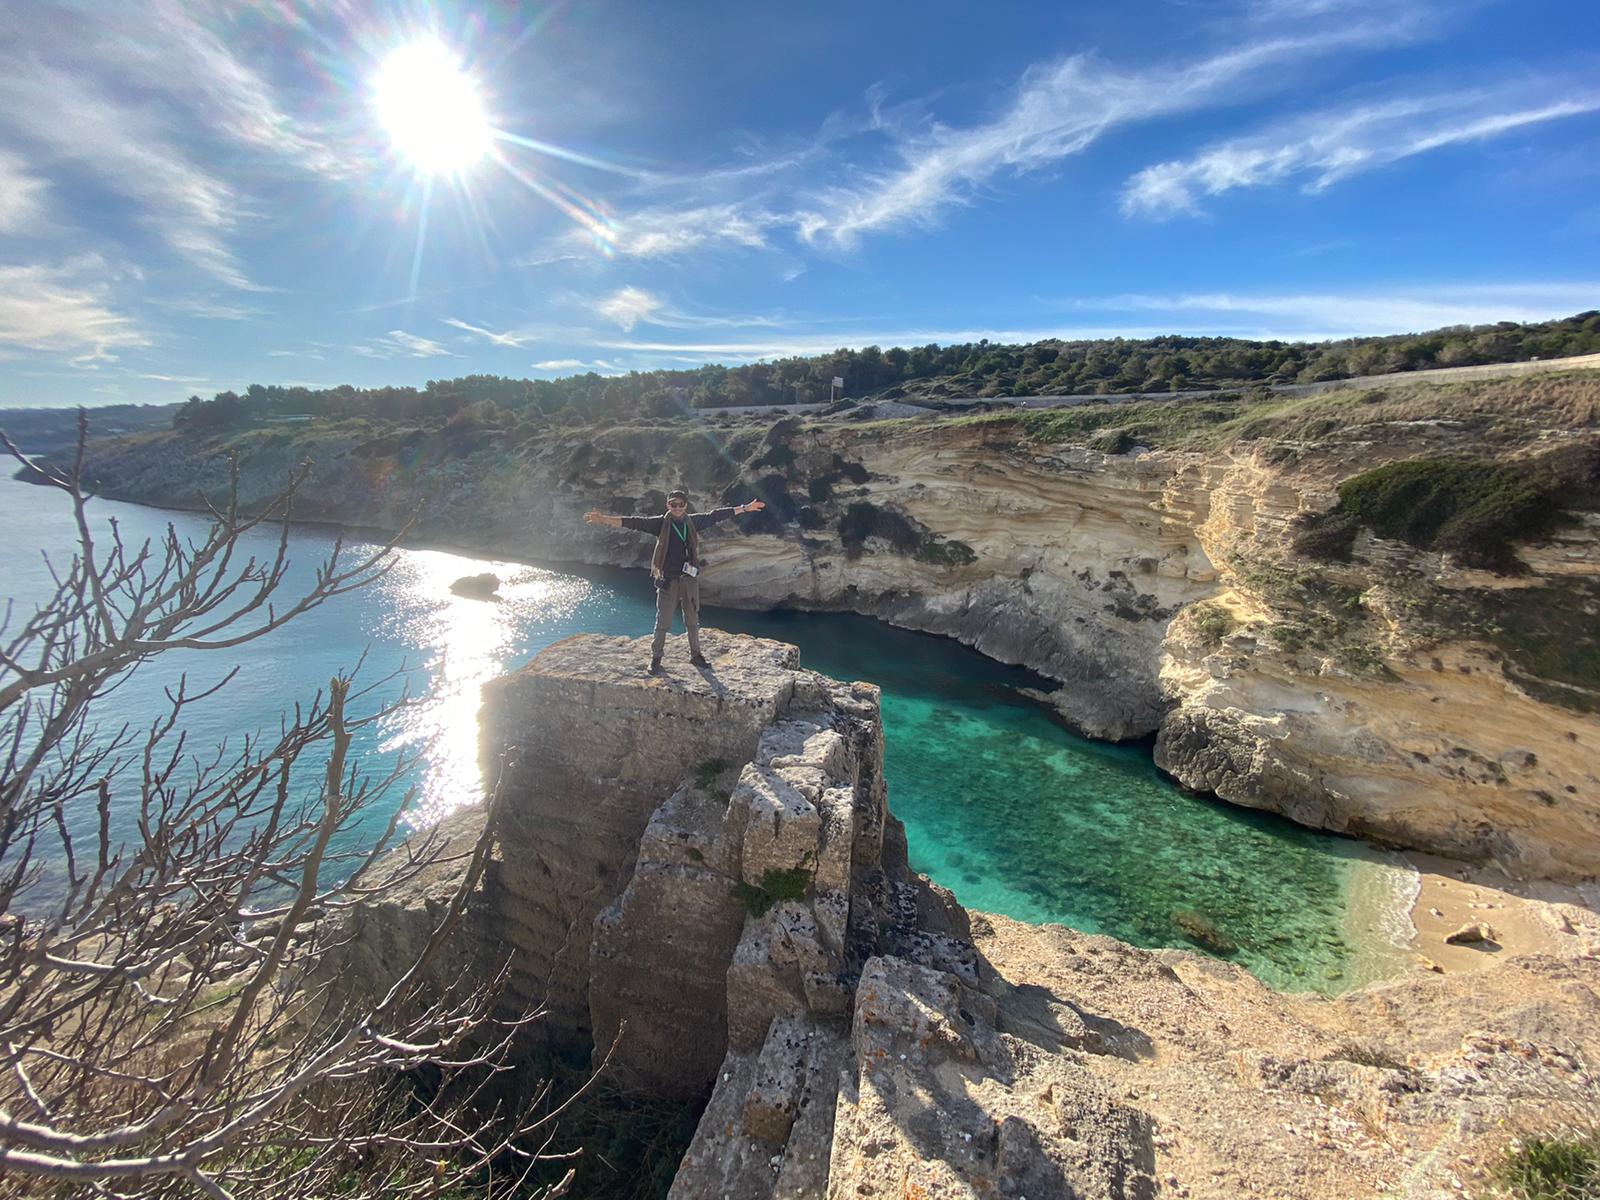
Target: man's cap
678,494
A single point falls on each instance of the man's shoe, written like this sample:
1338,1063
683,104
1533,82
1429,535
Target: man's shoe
655,666
699,660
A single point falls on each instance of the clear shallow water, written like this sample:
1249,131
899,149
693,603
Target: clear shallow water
1010,811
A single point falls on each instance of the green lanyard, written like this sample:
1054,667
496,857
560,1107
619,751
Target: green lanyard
683,533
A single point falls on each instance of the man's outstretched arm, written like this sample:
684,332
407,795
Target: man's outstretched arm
650,525
701,520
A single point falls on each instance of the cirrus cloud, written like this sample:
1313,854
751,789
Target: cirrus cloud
65,308
1322,148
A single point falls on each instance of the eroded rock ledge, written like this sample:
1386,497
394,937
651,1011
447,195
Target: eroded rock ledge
699,872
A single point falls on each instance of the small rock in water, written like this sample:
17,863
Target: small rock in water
477,587
1200,929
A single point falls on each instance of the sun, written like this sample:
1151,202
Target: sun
431,109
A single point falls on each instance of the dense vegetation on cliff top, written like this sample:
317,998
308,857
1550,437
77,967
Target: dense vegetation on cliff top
984,369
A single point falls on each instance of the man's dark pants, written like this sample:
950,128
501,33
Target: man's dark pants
685,591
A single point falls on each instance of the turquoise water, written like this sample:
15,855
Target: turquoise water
1018,816
1001,805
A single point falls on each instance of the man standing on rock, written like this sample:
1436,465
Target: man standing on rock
675,566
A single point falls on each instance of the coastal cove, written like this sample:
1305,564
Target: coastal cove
1002,805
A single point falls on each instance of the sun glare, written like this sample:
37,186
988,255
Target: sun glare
431,109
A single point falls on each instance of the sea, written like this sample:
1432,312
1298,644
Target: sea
1002,805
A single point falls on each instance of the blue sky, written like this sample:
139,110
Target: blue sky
197,196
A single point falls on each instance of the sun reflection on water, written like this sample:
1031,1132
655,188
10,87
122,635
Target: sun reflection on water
463,643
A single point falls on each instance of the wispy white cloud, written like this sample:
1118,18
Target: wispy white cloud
397,343
906,168
209,308
1315,316
311,354
1320,149
631,306
174,378
664,232
22,196
172,40
139,100
498,339
65,308
628,306
1060,109
129,151
577,364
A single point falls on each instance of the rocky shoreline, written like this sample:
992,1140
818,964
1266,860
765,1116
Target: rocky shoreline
1398,696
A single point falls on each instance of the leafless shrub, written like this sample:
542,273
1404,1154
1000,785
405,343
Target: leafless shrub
159,1030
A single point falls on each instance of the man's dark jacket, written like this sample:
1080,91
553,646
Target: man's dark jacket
675,545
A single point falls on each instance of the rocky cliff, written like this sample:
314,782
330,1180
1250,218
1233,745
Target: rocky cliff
700,876
1155,569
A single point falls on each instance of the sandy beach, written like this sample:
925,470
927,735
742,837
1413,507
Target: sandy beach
1533,917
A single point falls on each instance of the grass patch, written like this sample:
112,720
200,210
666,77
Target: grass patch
1171,423
705,775
775,888
1552,1168
1500,413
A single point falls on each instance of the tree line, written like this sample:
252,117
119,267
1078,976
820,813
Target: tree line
1106,366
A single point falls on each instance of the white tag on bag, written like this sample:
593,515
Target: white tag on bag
690,570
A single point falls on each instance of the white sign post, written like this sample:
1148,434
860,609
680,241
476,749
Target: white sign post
838,382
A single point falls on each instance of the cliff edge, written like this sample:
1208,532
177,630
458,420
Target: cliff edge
700,877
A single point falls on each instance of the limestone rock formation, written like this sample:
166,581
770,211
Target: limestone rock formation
699,873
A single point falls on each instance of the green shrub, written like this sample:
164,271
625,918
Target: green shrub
1113,441
776,887
1370,1054
1475,510
852,472
1213,622
941,553
1328,537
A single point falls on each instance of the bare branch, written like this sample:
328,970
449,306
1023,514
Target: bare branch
161,1026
